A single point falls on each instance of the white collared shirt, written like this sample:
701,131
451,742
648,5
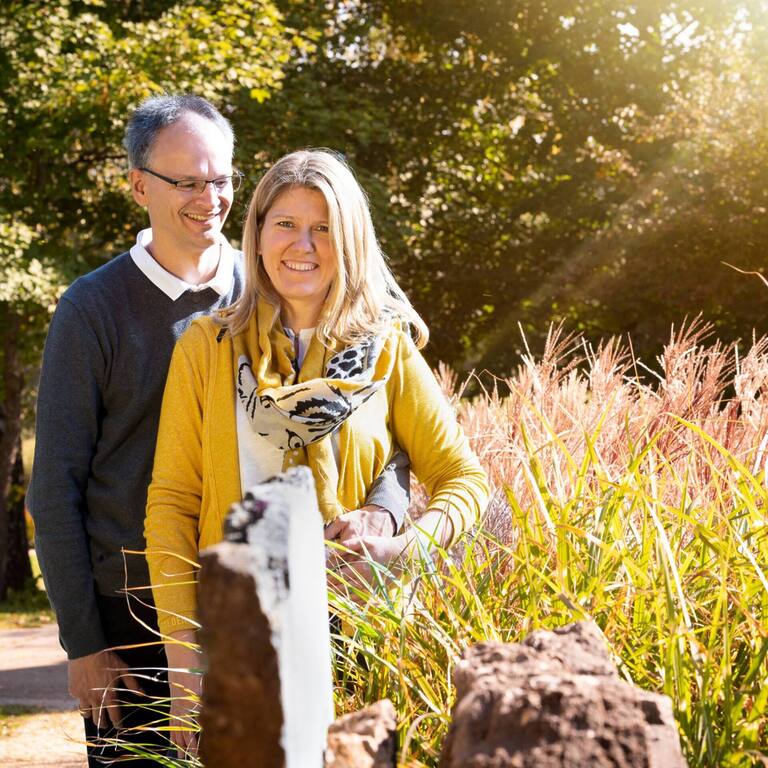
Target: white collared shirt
173,286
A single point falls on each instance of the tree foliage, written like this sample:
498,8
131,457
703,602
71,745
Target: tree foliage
532,161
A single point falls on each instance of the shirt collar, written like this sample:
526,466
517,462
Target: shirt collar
173,286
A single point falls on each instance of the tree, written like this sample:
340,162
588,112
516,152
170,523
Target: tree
554,136
27,289
699,208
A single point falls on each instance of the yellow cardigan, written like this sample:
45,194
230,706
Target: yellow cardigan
196,476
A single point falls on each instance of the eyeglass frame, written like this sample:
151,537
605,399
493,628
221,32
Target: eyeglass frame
235,179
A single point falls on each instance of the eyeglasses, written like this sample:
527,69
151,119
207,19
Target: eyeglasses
198,185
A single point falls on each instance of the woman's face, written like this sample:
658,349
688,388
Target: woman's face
298,255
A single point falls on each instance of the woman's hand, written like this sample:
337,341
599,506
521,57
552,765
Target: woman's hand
186,689
355,567
366,547
368,530
370,520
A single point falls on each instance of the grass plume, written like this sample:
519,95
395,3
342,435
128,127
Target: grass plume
632,497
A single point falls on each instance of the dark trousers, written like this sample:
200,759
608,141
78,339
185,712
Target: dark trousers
122,622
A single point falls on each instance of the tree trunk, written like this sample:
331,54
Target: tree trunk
14,557
18,569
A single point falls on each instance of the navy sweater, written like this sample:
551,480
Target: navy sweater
101,387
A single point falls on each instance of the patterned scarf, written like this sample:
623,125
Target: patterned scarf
297,410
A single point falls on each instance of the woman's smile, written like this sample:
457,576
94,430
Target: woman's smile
298,254
299,266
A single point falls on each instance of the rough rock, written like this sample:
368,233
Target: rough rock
241,683
363,739
267,690
555,700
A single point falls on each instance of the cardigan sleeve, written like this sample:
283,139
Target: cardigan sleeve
425,426
175,494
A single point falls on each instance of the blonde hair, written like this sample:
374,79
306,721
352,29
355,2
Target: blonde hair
364,294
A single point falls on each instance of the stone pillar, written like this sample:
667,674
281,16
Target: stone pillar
267,691
555,700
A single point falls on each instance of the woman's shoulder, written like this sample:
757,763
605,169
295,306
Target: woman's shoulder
406,358
401,338
202,337
203,330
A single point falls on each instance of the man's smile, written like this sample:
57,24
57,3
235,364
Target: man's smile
200,216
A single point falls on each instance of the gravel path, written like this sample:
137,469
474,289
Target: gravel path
33,669
33,673
43,740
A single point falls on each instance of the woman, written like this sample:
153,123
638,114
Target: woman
313,365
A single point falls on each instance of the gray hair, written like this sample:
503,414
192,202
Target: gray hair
158,112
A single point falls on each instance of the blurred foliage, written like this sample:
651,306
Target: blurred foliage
25,608
592,162
587,160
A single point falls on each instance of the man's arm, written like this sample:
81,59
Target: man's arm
385,507
69,406
392,490
68,412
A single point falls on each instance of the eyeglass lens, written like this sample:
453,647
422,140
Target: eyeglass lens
198,185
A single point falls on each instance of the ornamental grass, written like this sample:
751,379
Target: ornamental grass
629,495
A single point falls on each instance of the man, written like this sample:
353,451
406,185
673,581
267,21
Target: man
101,385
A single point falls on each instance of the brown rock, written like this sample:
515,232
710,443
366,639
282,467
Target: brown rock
555,700
363,739
242,717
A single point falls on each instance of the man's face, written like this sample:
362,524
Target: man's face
187,222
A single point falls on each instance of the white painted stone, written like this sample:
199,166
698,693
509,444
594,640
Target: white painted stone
288,541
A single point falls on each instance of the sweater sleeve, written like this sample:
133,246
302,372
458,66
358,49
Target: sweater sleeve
425,426
69,406
391,490
175,493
